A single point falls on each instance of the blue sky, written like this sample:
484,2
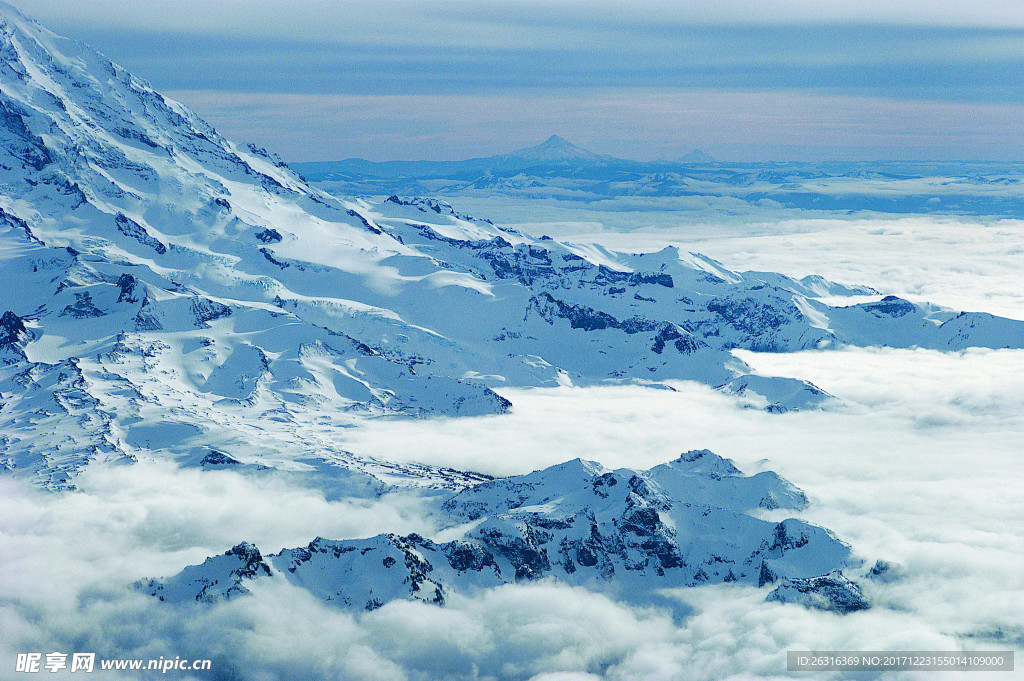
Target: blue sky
446,80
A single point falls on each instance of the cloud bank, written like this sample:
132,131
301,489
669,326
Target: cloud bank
919,465
917,468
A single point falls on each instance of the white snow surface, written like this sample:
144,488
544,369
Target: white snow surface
169,293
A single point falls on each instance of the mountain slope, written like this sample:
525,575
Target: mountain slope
170,294
134,243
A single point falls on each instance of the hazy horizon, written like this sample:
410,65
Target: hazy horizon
457,80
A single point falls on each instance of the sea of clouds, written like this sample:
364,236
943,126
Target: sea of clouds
918,462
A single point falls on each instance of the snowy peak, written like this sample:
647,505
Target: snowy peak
82,132
832,592
141,248
696,157
12,19
555,150
219,577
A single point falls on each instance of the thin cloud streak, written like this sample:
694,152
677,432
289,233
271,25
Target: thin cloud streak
966,64
350,17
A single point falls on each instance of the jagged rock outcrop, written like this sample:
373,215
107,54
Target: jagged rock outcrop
684,523
885,572
219,577
13,337
832,592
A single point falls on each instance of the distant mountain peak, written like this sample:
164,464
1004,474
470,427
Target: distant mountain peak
555,140
556,148
696,156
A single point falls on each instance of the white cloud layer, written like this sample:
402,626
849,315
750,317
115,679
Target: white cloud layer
964,263
920,468
919,465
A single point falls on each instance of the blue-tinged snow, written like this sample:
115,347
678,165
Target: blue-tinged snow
690,522
163,274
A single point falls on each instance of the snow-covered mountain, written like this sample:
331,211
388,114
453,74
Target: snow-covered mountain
555,149
684,523
169,293
139,289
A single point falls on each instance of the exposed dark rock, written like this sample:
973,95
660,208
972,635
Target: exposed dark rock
82,308
206,310
269,236
752,316
215,458
13,338
127,284
366,223
269,255
885,572
130,228
28,147
464,556
252,561
832,592
684,341
891,306
12,329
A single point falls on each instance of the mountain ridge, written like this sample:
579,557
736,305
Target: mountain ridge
697,184
685,523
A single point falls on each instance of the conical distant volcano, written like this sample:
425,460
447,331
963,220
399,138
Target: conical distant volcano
696,156
555,149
